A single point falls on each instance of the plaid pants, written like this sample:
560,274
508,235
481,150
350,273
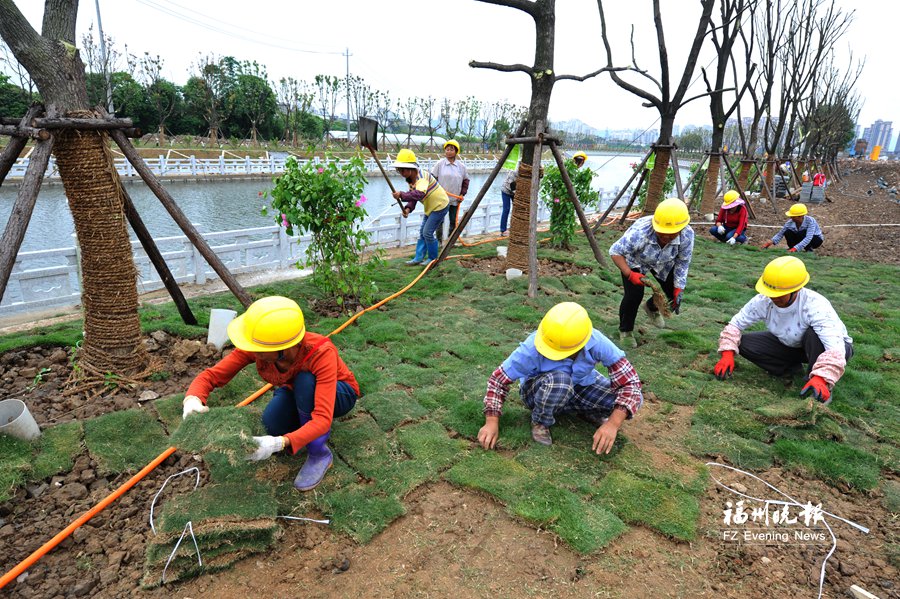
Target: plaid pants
554,393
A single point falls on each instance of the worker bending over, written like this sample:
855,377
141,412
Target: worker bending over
801,232
556,374
801,327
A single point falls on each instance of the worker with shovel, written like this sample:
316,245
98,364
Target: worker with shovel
312,384
454,178
801,327
555,367
660,245
801,232
731,223
424,188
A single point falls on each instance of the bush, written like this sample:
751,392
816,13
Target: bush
556,196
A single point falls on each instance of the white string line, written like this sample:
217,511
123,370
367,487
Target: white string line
820,226
155,497
791,502
326,521
187,528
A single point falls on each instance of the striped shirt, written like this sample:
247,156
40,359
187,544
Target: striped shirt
809,224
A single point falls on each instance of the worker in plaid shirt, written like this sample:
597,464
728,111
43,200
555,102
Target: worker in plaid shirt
555,367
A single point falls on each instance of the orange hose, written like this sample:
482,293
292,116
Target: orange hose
60,536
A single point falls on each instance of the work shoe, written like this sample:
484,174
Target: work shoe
593,418
413,262
626,339
541,434
655,317
318,461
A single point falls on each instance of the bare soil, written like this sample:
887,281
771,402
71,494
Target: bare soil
496,266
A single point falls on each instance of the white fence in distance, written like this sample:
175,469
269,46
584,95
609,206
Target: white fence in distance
48,279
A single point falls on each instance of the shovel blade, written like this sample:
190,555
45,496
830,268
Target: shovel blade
368,133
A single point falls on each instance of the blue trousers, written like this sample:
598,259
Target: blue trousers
729,233
289,410
554,393
504,213
428,243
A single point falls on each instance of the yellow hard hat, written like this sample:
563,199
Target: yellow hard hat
270,324
451,142
564,330
731,199
581,155
797,210
405,159
782,276
671,216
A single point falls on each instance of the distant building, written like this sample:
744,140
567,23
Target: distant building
879,134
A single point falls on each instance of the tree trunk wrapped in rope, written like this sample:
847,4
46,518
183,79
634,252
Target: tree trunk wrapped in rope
711,186
657,179
112,329
517,256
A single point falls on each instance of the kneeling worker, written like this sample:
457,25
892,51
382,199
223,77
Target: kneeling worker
802,232
802,327
731,223
556,374
312,384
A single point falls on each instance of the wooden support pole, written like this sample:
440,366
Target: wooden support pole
20,131
531,140
737,186
694,175
17,224
679,188
585,225
72,123
638,171
634,196
454,235
10,155
764,185
156,257
532,217
179,217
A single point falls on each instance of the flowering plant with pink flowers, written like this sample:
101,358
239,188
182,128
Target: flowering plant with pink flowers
326,201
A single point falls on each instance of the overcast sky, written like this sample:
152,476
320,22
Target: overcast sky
422,47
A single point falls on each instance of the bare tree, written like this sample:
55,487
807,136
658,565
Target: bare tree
212,90
19,74
112,330
426,112
162,94
409,110
665,102
327,91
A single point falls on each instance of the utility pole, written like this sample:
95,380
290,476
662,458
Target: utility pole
106,66
347,56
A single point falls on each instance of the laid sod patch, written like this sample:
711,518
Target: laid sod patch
360,513
124,441
227,431
428,443
723,414
244,384
671,512
832,462
216,508
467,418
739,451
169,410
785,410
390,408
676,471
14,466
57,449
577,470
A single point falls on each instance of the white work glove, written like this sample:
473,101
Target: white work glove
266,447
192,405
721,230
731,241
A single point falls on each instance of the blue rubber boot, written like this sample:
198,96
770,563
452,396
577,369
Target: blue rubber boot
318,461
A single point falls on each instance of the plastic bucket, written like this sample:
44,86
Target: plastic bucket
501,251
218,326
513,273
16,421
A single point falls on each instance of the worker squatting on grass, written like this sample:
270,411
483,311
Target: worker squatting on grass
312,384
802,327
424,188
661,245
556,374
801,232
731,223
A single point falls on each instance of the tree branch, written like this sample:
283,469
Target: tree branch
698,96
17,32
654,101
506,68
523,5
59,20
593,74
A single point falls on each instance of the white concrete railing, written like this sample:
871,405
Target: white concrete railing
50,278
202,167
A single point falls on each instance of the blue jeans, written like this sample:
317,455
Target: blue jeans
728,234
504,214
289,410
554,393
428,242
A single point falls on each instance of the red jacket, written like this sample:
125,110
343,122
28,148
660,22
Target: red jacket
735,220
324,363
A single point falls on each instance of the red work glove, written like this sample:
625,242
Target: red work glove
792,250
725,365
768,244
819,388
635,278
676,301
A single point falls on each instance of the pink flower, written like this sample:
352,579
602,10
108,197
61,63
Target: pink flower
321,170
362,200
284,221
260,194
556,200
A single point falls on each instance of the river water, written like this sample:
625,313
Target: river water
227,205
